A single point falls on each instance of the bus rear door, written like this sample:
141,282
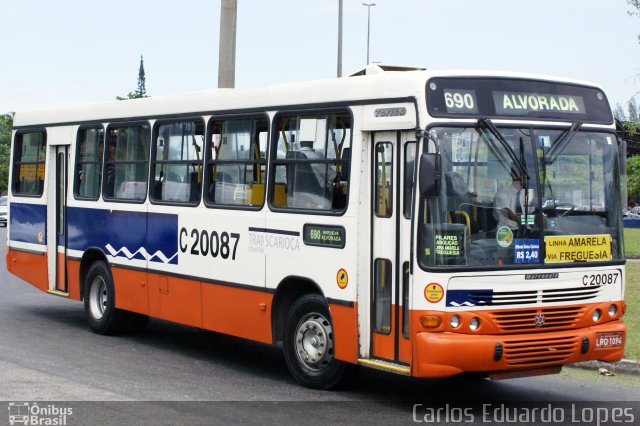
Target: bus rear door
57,211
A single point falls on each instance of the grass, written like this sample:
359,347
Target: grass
632,317
632,240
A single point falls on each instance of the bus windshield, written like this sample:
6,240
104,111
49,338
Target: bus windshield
521,196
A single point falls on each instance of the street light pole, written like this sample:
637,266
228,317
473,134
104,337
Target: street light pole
339,38
227,53
368,26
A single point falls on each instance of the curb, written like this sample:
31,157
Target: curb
626,366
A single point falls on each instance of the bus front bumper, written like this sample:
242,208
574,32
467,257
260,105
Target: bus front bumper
448,354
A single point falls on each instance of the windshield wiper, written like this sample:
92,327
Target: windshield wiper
522,170
561,143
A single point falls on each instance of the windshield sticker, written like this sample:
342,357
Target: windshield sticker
526,251
529,219
577,248
545,141
449,243
504,236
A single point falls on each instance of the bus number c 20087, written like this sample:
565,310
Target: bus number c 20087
204,243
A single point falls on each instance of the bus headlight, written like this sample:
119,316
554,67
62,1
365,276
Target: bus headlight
454,322
613,310
474,324
596,315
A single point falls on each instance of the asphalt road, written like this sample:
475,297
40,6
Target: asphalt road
47,353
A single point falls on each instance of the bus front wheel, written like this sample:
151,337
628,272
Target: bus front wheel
99,301
308,344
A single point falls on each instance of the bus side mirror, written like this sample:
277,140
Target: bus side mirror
429,174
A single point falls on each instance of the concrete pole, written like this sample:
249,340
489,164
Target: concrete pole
227,49
368,26
339,38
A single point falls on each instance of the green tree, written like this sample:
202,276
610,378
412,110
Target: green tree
635,4
619,113
6,125
633,110
141,89
633,177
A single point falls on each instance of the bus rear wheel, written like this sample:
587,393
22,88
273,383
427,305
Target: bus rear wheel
308,344
99,301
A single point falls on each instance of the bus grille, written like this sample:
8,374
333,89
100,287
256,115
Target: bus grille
524,320
544,351
487,297
569,294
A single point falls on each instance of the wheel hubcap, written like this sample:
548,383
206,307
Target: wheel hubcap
314,341
98,298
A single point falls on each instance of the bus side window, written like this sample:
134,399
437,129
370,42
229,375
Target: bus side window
236,162
29,164
89,151
384,179
127,162
409,162
177,162
311,156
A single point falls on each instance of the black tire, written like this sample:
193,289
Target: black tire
308,344
99,302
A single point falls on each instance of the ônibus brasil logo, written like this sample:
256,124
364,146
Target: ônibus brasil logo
25,413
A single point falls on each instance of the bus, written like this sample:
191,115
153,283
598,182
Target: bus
425,223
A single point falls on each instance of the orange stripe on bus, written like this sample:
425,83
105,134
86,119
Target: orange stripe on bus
237,311
30,267
131,290
345,331
73,279
175,299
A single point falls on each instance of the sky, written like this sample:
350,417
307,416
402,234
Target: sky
69,52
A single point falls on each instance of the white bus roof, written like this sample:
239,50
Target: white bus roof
375,82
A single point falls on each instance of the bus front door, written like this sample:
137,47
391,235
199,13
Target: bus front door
393,159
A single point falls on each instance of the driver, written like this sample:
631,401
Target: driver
507,205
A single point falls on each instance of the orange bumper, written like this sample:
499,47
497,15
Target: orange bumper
448,354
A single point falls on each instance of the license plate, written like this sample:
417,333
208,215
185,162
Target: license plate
609,340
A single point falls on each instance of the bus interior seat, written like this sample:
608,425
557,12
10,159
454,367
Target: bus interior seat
221,190
132,190
175,191
110,186
303,187
341,191
194,184
346,163
461,201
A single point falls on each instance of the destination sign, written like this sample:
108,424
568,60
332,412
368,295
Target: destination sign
460,101
577,248
324,236
510,103
484,97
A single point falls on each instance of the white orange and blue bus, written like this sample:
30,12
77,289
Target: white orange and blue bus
295,214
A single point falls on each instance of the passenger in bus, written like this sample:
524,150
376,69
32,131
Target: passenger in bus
507,204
